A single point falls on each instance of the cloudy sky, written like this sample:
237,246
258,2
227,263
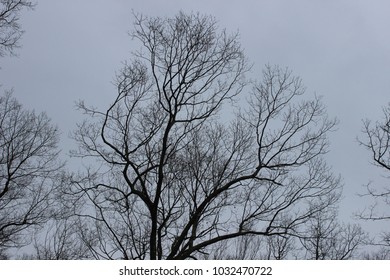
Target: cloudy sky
341,50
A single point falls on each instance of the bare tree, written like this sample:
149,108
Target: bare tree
10,28
383,253
240,248
273,247
377,142
60,240
28,161
327,239
177,168
378,139
3,254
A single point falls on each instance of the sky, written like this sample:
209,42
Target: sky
72,49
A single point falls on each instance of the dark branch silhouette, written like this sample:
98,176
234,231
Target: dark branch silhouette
377,141
178,168
28,166
10,28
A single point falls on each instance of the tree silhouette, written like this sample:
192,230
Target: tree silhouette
191,153
28,165
10,28
377,142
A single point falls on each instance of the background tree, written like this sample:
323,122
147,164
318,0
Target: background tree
28,165
383,253
252,247
377,142
10,111
178,167
10,28
60,240
327,239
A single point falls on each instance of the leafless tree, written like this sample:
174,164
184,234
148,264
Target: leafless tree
177,167
328,239
325,238
273,247
10,28
378,139
240,248
3,254
60,240
28,164
383,253
377,142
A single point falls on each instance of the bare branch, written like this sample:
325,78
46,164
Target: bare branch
174,179
28,170
10,28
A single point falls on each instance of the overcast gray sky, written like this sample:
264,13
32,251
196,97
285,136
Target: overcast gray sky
341,50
